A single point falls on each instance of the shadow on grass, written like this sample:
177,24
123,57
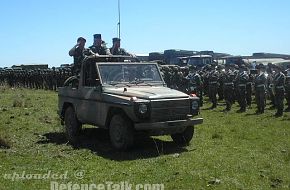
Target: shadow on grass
98,141
4,144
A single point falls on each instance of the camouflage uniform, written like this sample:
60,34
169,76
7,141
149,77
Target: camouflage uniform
166,77
78,52
270,86
99,46
249,90
242,80
78,58
195,85
220,83
279,87
287,89
101,50
260,91
228,88
213,87
119,51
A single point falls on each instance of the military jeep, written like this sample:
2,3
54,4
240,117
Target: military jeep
126,98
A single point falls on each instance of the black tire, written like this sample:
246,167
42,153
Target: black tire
183,138
121,132
72,126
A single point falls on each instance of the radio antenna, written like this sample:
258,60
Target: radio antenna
119,23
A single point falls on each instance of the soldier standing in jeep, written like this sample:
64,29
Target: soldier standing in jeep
99,47
116,48
77,52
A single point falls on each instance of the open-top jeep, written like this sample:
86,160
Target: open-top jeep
126,97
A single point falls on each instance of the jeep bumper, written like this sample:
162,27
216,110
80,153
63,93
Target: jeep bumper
168,124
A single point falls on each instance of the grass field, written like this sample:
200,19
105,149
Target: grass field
229,150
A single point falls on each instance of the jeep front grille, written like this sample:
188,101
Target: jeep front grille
170,110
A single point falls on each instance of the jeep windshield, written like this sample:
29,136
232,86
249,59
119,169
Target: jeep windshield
129,74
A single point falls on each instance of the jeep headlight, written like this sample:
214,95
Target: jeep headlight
194,105
143,108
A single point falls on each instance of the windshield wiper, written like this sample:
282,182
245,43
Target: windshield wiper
114,83
138,81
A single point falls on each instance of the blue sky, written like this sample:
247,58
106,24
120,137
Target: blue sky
42,32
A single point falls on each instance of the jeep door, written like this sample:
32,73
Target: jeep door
91,103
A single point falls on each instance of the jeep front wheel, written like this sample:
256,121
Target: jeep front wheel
72,126
183,138
121,132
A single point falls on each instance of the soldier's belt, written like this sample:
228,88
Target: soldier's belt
242,85
279,87
249,82
213,82
229,83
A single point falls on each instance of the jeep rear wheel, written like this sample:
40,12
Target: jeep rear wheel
72,126
121,132
183,138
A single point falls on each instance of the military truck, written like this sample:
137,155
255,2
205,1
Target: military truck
31,66
126,98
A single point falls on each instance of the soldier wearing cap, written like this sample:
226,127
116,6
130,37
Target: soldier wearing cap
279,90
260,88
116,48
99,46
242,79
287,87
78,54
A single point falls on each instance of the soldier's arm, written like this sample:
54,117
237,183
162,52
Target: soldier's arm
73,50
89,52
108,51
124,52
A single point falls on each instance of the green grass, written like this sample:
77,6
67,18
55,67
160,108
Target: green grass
229,150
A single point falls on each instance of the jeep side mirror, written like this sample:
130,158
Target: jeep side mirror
97,82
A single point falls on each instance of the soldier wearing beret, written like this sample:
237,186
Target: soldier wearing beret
99,46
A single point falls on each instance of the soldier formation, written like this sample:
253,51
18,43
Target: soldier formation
233,83
48,79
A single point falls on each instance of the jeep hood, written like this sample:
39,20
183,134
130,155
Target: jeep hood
146,92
